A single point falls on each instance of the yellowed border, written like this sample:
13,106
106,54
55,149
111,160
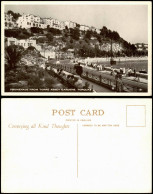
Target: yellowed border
149,93
145,115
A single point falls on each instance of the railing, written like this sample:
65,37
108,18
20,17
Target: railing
71,84
110,81
105,79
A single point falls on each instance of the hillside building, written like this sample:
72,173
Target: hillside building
84,28
70,24
48,54
141,47
25,43
29,20
9,22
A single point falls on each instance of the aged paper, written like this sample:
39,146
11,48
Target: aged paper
76,145
111,70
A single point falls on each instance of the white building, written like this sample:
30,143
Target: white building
62,25
146,46
70,24
9,23
98,31
48,22
37,19
28,21
141,47
92,28
84,28
43,26
107,47
12,41
23,42
55,23
25,21
48,54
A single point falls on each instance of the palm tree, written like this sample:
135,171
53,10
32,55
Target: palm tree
13,55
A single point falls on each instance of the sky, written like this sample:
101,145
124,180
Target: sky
130,21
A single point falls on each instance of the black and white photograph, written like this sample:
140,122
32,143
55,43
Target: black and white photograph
76,48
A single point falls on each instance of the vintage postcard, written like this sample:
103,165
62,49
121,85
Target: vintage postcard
76,48
78,145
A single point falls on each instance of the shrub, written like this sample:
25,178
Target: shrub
13,55
42,40
54,31
49,82
50,37
21,76
34,81
36,30
15,15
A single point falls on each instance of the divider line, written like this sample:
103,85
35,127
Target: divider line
77,152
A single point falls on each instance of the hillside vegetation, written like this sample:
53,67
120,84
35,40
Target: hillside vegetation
85,43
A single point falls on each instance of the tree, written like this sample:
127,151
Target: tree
50,37
133,48
78,25
54,31
104,32
79,69
88,34
13,55
15,15
71,41
42,40
31,48
75,33
12,33
98,37
66,28
115,36
63,39
17,33
36,30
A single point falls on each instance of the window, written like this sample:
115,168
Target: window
12,42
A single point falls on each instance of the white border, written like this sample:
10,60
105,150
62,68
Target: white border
149,3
